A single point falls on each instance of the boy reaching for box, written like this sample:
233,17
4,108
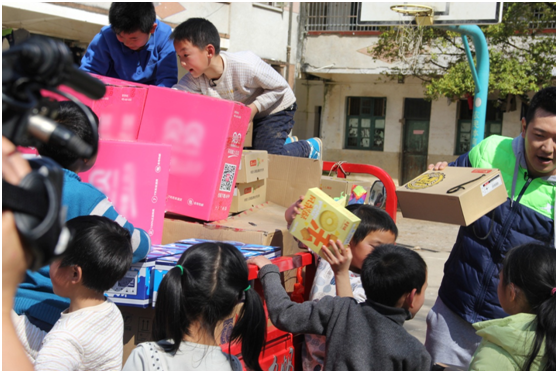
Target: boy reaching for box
376,228
135,47
89,334
242,77
365,336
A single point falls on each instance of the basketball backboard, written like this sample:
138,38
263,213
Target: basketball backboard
445,13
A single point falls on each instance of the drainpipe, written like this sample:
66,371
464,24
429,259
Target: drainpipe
289,41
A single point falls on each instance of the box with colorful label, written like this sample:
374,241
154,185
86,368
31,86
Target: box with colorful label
206,135
248,195
253,166
135,288
454,195
323,219
134,176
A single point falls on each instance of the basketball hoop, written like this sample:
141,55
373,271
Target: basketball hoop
409,34
423,14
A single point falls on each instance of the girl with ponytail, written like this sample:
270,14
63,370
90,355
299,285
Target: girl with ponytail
194,299
526,340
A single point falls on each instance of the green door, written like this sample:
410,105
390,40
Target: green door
415,142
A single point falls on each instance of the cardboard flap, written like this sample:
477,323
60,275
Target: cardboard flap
267,217
290,178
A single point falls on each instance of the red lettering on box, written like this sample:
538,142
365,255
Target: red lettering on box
481,171
253,163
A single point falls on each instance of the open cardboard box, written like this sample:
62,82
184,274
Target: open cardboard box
455,195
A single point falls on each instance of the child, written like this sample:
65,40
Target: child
194,298
376,228
89,334
365,336
35,297
527,291
243,77
135,47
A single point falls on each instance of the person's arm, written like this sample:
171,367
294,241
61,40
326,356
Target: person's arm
307,317
274,86
61,351
141,243
491,357
187,84
167,70
97,57
15,260
340,261
294,210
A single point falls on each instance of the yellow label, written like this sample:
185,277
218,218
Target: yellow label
425,181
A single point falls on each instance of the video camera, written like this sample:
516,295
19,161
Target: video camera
41,63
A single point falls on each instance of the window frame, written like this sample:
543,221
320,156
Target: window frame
487,127
372,128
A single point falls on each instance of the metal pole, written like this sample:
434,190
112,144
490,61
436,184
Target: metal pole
480,75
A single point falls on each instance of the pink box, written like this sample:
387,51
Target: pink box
27,150
120,109
206,135
134,176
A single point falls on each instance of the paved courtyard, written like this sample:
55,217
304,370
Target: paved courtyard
433,241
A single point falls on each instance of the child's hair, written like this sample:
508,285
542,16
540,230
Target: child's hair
198,31
390,271
73,118
532,268
372,219
544,99
101,247
131,17
213,282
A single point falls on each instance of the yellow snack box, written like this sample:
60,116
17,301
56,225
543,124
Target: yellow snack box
323,219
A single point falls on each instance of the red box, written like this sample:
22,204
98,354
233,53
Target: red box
134,176
206,135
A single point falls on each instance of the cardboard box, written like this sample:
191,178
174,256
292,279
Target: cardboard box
138,327
426,197
248,195
335,186
134,176
323,219
136,287
249,135
290,177
253,166
206,135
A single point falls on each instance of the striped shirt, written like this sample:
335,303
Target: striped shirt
246,78
86,339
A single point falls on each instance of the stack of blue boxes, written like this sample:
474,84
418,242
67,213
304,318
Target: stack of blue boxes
139,286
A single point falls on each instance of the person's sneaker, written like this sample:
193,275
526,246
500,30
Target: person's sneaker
315,148
291,139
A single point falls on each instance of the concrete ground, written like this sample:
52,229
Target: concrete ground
433,241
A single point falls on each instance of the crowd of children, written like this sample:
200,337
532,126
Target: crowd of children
361,295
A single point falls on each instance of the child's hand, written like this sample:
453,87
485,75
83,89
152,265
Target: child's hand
295,209
260,261
339,258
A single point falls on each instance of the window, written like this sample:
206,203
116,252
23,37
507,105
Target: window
366,122
492,125
334,17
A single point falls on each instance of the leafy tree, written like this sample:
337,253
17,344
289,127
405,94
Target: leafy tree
522,54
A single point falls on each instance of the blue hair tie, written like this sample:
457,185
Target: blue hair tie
248,288
181,269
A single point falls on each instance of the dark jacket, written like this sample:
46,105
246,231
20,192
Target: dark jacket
365,336
471,273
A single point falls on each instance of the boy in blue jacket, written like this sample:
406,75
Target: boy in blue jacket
35,297
135,47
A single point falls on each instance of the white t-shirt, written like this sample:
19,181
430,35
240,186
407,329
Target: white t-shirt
190,356
324,284
86,339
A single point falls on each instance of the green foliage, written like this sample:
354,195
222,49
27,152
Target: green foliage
522,56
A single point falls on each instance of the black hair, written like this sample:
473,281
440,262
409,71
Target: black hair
544,99
198,31
131,17
373,219
101,247
213,283
71,117
390,271
532,268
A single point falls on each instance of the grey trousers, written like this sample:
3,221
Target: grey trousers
449,338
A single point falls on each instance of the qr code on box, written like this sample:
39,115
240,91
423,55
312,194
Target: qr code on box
227,178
